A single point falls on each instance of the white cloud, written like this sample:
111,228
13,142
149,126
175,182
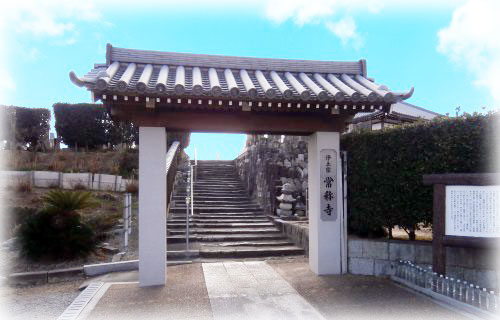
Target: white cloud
46,18
471,40
325,11
306,11
345,29
40,19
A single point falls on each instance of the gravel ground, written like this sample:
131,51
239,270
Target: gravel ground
37,302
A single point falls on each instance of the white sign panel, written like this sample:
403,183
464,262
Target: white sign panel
473,211
328,189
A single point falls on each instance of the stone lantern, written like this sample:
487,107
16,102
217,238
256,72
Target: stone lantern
286,200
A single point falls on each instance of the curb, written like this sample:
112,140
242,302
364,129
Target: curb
43,277
129,265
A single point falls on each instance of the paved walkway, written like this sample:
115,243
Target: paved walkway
276,289
253,290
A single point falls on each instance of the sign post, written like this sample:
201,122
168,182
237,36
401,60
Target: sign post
466,213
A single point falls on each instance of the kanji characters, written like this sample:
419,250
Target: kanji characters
328,195
328,182
329,209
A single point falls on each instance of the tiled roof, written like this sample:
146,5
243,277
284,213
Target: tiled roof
400,110
139,72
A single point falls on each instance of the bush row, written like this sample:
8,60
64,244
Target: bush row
385,168
81,125
25,126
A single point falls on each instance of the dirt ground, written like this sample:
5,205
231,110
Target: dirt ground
425,233
108,213
68,161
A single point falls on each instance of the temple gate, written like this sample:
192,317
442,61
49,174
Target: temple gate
164,91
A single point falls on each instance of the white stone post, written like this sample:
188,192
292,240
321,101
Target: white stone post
152,206
326,232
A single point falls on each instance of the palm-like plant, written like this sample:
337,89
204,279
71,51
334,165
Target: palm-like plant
68,201
56,231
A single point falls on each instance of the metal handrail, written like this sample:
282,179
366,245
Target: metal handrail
188,200
192,192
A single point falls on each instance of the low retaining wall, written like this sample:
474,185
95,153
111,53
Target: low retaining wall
51,179
379,256
297,231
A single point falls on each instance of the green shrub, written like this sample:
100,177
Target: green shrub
12,218
385,168
128,163
102,223
68,201
57,231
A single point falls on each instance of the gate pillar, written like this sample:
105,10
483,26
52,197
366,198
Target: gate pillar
152,206
327,234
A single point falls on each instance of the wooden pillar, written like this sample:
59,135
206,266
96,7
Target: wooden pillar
438,229
152,206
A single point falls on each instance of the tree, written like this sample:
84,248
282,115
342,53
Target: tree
82,125
27,126
123,132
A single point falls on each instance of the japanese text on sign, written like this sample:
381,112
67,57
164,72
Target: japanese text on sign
473,211
328,180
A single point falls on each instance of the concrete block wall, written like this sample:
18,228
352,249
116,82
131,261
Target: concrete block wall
76,180
379,256
46,179
51,179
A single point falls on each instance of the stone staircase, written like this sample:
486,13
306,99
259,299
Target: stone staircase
226,223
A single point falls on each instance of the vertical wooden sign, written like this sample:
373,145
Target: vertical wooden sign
328,180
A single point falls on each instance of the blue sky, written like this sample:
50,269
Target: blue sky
443,49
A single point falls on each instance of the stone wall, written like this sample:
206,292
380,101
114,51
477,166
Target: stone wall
270,162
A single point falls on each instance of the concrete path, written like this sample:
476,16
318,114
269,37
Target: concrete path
273,289
253,290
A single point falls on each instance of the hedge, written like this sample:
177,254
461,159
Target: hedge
82,125
90,126
385,168
27,126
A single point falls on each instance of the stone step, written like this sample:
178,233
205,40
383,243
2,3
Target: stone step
227,223
220,189
201,210
225,238
217,186
220,225
249,252
208,198
254,243
227,231
248,220
216,176
241,215
201,203
218,183
235,180
240,237
217,205
212,193
178,204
